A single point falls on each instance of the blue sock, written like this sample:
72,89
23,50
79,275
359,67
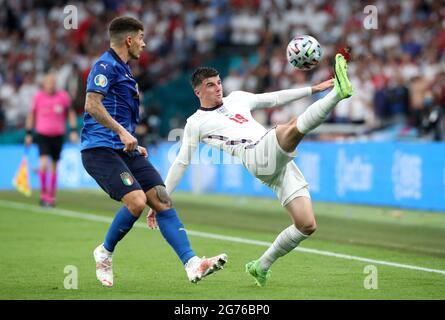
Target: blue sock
122,223
173,231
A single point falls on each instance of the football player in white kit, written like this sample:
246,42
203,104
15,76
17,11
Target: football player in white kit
227,124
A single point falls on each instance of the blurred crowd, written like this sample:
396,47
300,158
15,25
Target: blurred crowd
398,69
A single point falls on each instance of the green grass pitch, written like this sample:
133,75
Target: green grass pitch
37,244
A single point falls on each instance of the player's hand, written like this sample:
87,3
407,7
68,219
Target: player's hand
74,137
28,139
143,151
323,86
151,219
130,142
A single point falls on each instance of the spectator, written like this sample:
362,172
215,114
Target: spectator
431,118
418,88
398,100
410,40
233,82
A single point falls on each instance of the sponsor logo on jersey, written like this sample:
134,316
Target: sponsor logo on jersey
100,80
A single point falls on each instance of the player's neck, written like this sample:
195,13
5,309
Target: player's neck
121,52
210,105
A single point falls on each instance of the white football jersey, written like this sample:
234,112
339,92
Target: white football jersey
229,127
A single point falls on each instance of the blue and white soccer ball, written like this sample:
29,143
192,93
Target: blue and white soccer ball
304,52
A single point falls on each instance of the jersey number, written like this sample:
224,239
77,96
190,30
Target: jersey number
238,118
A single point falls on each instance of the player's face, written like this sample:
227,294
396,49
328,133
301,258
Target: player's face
136,44
210,92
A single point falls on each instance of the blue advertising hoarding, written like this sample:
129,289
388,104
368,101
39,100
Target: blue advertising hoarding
407,175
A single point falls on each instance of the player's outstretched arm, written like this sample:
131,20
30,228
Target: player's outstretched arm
94,106
174,176
277,98
190,142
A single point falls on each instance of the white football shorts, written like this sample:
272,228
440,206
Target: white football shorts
273,166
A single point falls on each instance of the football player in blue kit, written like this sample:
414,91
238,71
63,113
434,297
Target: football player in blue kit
111,155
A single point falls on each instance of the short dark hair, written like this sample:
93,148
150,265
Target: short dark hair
121,26
202,73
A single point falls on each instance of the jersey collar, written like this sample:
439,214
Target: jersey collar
116,57
211,109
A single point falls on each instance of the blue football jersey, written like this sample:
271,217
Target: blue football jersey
112,78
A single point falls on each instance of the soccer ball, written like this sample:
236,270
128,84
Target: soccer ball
304,52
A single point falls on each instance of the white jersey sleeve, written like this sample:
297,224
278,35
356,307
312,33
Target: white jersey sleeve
272,99
190,142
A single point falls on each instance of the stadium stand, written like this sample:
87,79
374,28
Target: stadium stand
398,69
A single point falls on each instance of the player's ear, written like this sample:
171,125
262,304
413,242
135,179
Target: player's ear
196,90
128,41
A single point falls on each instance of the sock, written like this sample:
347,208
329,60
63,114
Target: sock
122,223
52,185
42,177
286,241
317,112
173,231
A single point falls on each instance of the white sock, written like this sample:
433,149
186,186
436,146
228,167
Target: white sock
192,260
286,241
105,251
317,112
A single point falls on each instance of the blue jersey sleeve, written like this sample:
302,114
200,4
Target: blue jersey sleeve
101,77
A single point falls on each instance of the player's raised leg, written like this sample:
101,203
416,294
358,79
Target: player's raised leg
172,229
290,134
319,111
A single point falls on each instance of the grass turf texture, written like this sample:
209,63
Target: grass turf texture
35,247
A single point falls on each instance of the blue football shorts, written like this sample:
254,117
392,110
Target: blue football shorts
118,172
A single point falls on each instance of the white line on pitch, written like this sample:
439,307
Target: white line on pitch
93,217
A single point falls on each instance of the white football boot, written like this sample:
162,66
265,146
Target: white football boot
197,268
104,266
